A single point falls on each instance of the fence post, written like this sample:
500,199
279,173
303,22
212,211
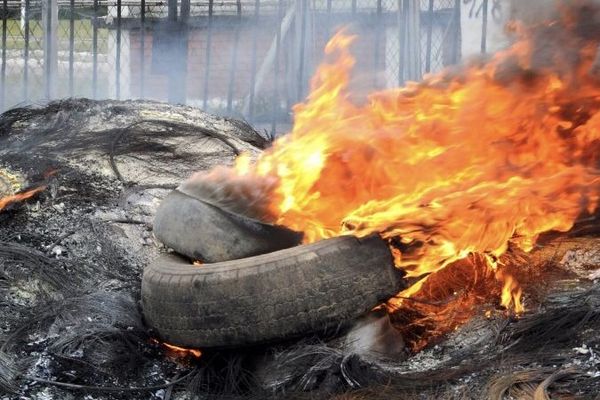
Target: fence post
3,74
171,31
71,47
178,38
207,54
302,51
49,25
457,33
25,13
429,37
118,52
234,55
253,63
142,45
409,40
413,37
484,27
95,51
292,58
379,23
401,22
183,22
276,104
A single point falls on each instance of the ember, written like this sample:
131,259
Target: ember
11,189
15,198
178,351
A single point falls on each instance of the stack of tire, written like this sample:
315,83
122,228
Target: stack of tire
257,283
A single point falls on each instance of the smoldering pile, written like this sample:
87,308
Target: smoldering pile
71,261
70,264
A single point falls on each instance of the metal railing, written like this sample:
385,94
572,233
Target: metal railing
246,58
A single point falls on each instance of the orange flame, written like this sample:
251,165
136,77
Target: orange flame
183,351
179,351
15,198
468,161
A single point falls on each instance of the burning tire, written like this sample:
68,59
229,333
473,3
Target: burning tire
204,232
281,295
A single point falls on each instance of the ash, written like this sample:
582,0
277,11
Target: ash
71,261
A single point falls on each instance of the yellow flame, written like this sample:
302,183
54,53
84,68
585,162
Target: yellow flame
15,198
457,164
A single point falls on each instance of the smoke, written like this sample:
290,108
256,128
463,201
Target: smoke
562,42
243,61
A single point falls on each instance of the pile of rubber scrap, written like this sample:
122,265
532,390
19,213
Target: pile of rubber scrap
73,286
71,254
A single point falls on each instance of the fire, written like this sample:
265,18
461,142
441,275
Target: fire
15,198
183,351
445,301
11,187
178,351
469,161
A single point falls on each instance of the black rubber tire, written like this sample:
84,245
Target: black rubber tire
281,295
204,232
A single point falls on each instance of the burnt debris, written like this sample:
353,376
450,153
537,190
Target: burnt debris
71,263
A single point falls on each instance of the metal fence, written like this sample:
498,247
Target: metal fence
248,58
